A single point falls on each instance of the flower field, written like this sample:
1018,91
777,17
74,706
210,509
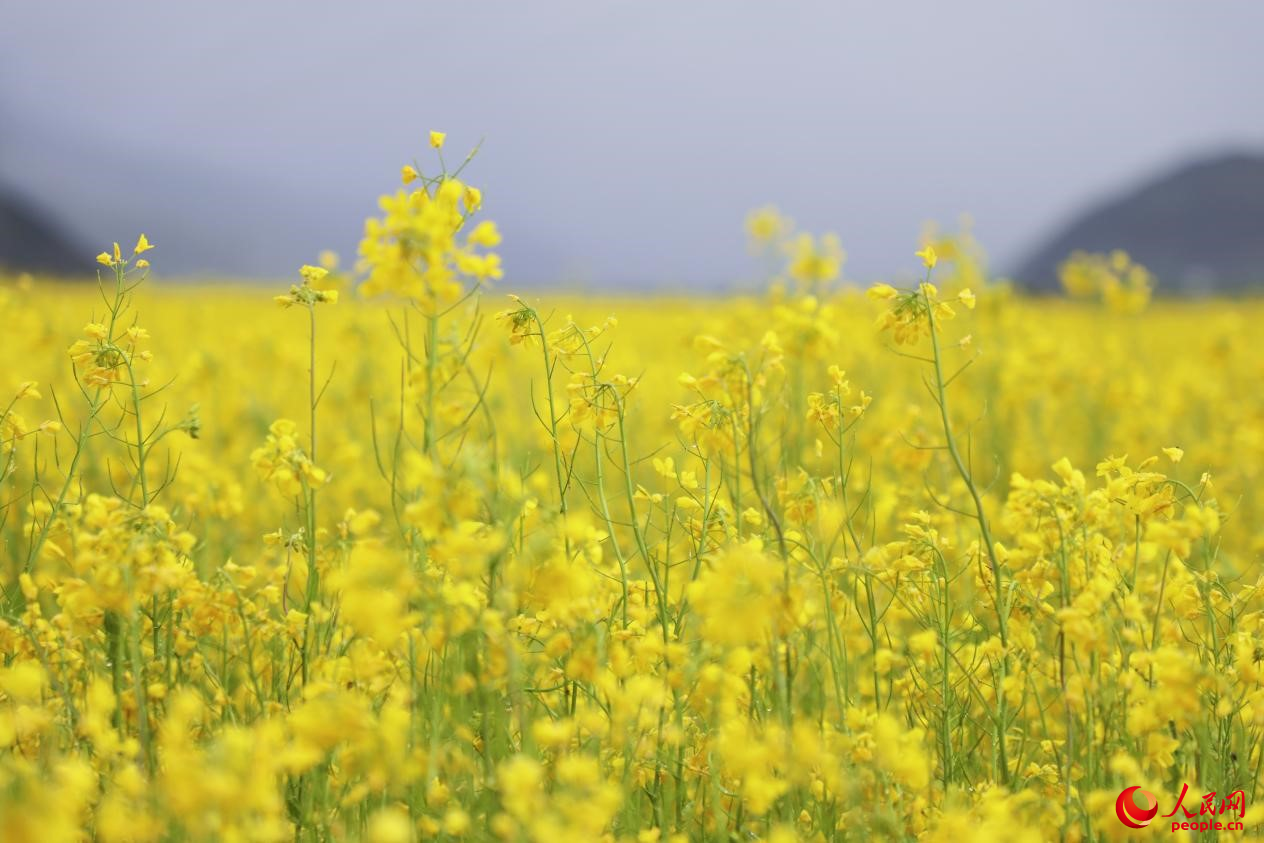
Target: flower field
394,555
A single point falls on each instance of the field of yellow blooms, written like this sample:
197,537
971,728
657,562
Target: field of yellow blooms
397,556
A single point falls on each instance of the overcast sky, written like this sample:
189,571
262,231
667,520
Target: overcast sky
624,141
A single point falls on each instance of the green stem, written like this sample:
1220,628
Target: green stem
984,530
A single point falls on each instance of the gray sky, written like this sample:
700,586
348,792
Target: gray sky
624,141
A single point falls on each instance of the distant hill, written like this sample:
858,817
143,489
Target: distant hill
1199,228
30,240
205,219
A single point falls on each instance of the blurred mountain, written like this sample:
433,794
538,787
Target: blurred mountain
213,219
205,219
30,239
1199,228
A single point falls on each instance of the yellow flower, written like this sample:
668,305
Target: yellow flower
142,245
390,825
882,292
456,822
1124,286
312,274
1174,454
408,174
23,681
928,256
437,139
766,225
815,260
485,234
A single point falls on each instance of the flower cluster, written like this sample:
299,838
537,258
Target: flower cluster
420,247
1121,283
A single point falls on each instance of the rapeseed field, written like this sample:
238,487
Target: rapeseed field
394,554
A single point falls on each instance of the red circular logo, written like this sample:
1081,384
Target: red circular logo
1136,807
